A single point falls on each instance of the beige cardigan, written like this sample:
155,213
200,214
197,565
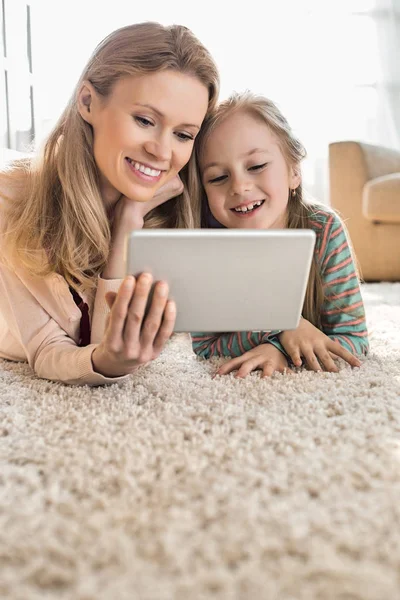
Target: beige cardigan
40,323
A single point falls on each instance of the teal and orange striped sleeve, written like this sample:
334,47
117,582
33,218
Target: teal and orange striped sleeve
343,313
230,344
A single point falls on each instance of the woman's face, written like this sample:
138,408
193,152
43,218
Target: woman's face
143,131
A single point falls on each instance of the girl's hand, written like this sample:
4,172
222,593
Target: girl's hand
129,215
265,357
315,347
131,339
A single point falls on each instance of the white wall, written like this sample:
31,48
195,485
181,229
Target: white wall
309,56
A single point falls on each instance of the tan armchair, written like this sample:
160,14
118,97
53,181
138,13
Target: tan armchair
365,189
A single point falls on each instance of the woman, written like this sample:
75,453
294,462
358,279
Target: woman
110,164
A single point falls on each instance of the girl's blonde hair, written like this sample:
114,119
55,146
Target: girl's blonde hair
59,214
299,211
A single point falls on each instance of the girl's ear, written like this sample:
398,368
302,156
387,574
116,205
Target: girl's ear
86,101
295,176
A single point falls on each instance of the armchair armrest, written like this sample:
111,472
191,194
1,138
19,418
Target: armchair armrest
381,199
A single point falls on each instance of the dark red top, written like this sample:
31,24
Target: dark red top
84,336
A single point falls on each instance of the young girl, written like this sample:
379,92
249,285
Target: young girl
249,163
109,166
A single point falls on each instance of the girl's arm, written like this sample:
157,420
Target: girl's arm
231,344
343,313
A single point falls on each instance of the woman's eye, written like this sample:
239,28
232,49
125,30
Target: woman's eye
217,179
143,121
257,167
184,137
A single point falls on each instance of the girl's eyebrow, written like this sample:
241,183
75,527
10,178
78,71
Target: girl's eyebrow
254,151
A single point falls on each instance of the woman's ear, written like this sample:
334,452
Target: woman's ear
295,176
86,101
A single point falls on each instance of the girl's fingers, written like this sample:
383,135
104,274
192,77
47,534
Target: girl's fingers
230,365
311,359
251,364
295,357
118,312
326,360
167,327
338,349
153,319
268,369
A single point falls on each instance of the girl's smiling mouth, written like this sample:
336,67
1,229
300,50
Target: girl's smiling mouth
247,209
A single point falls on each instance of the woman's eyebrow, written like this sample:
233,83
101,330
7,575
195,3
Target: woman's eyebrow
161,115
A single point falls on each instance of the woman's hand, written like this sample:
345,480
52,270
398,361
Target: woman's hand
131,339
265,357
315,347
129,215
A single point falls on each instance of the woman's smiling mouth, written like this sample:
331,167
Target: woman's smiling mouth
143,172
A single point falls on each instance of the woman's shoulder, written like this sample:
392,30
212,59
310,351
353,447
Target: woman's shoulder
14,180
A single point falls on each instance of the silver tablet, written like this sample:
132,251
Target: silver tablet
227,279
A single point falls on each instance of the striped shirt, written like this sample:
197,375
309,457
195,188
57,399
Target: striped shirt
342,313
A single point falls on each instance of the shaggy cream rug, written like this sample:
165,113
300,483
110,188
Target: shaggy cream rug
177,486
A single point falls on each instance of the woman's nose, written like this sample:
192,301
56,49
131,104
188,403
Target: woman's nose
160,148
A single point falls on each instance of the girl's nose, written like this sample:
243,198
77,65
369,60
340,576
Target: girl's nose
239,186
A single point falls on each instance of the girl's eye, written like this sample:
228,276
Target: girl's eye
217,179
257,167
184,137
143,121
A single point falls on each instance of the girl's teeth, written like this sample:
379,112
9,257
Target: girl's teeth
249,207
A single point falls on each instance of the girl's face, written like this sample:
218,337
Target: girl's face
245,175
144,131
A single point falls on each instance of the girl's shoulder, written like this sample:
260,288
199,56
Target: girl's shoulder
322,217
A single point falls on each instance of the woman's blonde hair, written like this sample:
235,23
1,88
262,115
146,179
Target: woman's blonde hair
60,210
299,211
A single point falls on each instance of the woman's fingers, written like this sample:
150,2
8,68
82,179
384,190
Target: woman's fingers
118,314
137,308
159,323
167,327
152,322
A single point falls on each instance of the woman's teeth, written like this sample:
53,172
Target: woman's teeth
249,207
143,169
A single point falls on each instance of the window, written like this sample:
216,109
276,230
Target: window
17,125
